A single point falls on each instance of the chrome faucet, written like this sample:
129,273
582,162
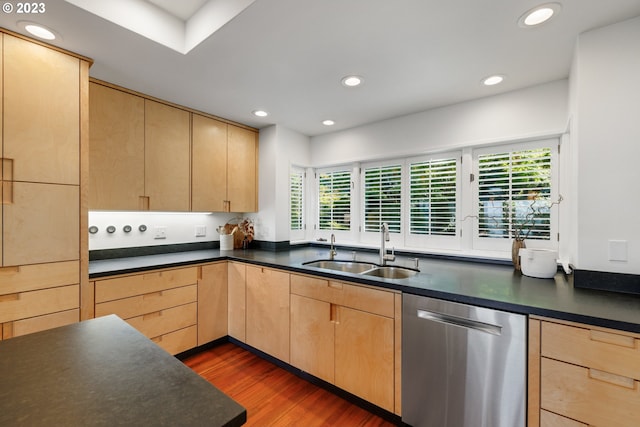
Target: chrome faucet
332,251
384,237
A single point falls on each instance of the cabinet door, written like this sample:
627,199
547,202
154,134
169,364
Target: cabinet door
116,149
312,336
236,280
167,157
46,216
364,356
209,165
41,113
212,303
242,170
268,311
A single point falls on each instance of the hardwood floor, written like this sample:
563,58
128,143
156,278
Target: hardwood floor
273,396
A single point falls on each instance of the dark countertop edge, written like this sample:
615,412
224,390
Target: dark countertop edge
390,284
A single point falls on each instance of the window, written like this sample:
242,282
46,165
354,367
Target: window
433,197
334,200
382,197
296,199
515,192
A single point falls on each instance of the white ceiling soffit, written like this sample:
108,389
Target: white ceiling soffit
161,26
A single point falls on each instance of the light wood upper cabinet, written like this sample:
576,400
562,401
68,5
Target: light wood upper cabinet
209,165
116,179
41,95
268,311
224,167
167,157
242,170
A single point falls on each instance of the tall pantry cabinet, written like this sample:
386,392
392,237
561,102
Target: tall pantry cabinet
43,253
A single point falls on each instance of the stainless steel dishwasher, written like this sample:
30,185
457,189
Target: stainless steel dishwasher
462,366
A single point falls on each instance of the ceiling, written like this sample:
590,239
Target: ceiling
288,56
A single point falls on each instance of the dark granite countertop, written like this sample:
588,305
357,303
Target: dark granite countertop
487,285
102,372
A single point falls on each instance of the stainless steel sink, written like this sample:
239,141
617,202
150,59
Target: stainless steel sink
391,272
345,266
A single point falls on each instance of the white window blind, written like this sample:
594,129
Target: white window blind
514,193
296,199
334,200
383,198
433,197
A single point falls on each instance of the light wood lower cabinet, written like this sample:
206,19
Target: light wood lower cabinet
163,305
212,302
38,297
267,327
585,375
237,300
348,335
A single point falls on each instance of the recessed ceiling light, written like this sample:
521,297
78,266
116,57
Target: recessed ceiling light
328,122
38,30
351,81
539,15
260,113
492,80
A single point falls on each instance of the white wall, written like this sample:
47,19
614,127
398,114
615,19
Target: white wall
535,111
279,149
180,228
606,105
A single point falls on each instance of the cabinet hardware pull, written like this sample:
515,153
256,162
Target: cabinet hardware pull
152,295
152,315
7,169
333,314
143,203
9,271
335,285
7,192
614,379
9,297
614,339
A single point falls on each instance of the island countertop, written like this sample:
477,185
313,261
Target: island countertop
102,372
486,285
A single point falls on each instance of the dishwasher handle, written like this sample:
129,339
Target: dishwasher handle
462,322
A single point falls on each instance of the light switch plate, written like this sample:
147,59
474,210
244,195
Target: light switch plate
201,230
160,232
618,250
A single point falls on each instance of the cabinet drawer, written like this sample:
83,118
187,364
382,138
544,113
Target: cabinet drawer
359,297
148,303
178,341
38,276
549,419
140,284
612,351
40,323
590,396
36,303
162,322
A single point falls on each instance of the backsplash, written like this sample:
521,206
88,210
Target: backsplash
137,229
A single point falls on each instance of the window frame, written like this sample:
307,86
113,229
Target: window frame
434,241
504,244
298,234
345,235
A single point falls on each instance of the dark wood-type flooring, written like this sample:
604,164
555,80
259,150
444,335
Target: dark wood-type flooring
273,396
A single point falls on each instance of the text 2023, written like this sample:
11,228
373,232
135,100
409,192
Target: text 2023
31,8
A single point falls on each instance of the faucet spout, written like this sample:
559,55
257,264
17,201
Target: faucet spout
332,251
384,237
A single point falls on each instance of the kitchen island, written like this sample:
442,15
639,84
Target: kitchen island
102,372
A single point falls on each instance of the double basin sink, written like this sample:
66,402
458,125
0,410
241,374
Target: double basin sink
364,268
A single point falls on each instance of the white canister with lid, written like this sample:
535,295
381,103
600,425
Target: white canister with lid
539,263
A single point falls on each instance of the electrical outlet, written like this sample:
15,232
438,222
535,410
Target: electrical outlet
160,232
201,231
618,250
